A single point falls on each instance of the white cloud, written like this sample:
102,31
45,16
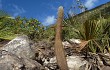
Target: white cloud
0,4
71,13
90,3
17,10
49,20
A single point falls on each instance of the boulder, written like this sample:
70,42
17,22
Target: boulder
20,46
18,54
32,64
9,61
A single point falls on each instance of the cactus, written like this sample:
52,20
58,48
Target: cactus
59,51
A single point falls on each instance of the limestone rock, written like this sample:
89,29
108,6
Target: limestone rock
9,61
74,63
20,46
18,54
32,64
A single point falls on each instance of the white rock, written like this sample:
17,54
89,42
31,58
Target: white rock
20,46
74,62
76,41
66,43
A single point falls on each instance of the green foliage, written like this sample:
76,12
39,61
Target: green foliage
50,33
92,26
96,31
10,28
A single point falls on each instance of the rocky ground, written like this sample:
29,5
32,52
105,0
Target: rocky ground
3,42
24,54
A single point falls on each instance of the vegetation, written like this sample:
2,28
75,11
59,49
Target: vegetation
93,28
59,50
11,27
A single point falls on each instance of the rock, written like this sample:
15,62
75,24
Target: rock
72,43
69,51
71,46
20,46
23,54
66,44
9,61
106,68
75,41
18,54
74,63
32,64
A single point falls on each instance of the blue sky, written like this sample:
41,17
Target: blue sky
43,10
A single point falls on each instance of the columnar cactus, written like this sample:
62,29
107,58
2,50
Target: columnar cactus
60,55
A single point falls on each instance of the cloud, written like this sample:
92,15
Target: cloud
0,4
17,10
71,13
90,3
49,20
